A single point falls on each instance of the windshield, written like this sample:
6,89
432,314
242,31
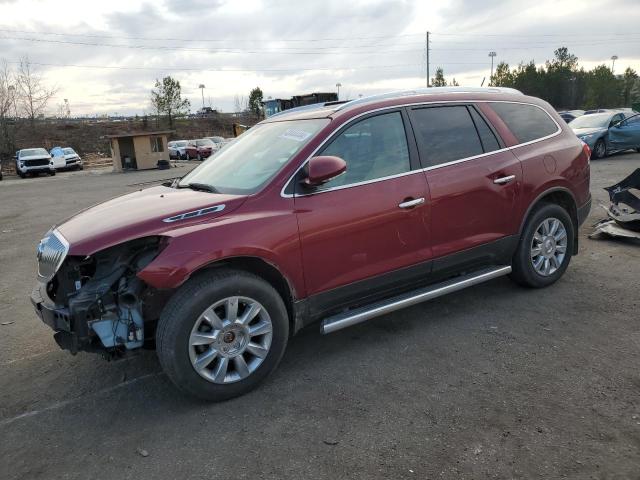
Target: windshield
592,121
33,151
217,139
68,151
255,157
204,143
182,143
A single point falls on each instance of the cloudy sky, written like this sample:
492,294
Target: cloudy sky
105,56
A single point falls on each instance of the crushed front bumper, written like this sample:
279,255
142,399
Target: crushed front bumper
61,322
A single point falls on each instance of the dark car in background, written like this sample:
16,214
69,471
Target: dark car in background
607,132
570,115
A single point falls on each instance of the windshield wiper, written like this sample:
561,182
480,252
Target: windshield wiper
201,187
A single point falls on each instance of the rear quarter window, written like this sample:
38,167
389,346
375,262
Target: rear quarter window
526,122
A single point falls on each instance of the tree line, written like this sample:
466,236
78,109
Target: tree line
565,84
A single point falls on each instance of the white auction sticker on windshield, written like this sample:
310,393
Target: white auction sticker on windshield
295,134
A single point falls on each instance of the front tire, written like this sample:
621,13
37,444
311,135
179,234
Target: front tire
545,247
221,334
599,149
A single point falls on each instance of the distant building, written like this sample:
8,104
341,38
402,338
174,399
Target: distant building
139,150
276,105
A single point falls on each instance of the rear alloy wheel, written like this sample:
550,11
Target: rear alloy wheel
599,149
545,247
221,334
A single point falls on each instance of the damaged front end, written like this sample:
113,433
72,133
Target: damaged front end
624,212
97,302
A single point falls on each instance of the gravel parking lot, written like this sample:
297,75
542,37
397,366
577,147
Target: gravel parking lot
492,382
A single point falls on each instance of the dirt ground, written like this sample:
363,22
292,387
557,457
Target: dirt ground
492,382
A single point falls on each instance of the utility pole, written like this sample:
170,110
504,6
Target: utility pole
492,55
338,85
427,45
613,62
202,87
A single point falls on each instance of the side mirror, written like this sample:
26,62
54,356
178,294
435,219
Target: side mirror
322,169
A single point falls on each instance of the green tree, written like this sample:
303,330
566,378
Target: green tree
454,83
255,101
502,77
166,98
629,79
602,89
439,80
558,81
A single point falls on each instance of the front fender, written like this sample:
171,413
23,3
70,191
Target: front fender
269,236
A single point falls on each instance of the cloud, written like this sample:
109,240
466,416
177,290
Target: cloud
289,47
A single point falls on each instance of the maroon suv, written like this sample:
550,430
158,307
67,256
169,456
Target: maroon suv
336,213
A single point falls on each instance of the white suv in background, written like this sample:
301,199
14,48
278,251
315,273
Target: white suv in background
177,149
36,160
69,155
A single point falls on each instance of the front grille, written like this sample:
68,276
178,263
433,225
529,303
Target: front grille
36,163
72,161
52,251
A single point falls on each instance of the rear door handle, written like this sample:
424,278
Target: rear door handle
412,203
503,180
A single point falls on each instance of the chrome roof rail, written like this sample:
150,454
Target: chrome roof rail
427,91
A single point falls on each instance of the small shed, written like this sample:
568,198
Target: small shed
139,150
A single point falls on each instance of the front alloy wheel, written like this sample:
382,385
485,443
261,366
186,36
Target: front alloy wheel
222,333
230,340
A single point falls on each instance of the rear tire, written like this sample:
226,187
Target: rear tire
203,309
545,247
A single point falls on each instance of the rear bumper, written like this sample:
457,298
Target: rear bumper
583,211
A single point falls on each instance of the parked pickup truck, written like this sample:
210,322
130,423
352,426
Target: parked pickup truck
334,214
32,161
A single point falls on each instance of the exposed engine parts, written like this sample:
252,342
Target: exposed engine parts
100,298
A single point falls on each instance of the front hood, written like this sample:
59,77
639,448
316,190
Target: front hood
587,131
35,157
140,214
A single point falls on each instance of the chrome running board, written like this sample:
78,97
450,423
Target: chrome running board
362,314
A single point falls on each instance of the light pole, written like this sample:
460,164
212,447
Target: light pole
202,87
613,61
338,85
492,55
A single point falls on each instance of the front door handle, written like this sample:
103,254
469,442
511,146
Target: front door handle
411,203
503,180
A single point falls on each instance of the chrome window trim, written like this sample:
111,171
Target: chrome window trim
420,170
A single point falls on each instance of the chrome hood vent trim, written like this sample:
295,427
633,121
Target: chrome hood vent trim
194,214
52,250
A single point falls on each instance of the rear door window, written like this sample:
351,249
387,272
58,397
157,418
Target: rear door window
487,137
445,134
526,122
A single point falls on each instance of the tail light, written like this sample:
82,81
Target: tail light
586,150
